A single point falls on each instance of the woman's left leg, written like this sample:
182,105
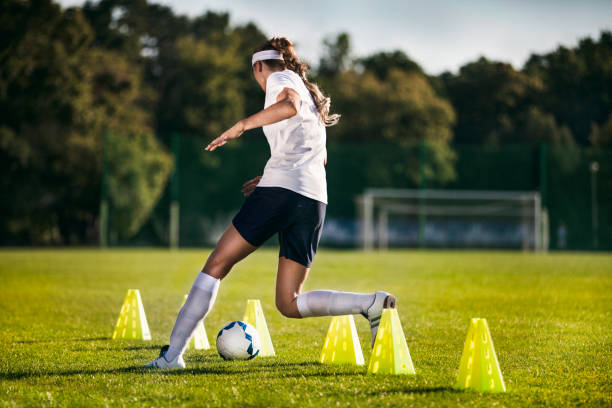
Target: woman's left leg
230,249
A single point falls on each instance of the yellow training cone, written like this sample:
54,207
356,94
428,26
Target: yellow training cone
342,343
132,322
254,316
390,354
199,340
479,368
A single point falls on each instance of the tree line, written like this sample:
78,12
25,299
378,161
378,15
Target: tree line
114,79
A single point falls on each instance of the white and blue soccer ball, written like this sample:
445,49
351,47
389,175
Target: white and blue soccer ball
238,341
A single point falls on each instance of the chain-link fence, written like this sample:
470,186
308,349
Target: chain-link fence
203,194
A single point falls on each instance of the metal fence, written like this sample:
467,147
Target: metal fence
574,185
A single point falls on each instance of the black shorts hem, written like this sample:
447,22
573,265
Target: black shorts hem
300,261
243,236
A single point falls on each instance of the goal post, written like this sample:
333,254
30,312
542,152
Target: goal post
450,218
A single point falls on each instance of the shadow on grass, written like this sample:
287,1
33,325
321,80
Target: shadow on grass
270,368
247,371
110,345
60,340
118,348
67,373
138,370
92,339
213,358
147,347
412,390
243,369
300,363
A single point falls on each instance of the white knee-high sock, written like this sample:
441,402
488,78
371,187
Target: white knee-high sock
198,304
333,303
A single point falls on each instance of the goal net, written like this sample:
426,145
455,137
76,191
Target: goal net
450,219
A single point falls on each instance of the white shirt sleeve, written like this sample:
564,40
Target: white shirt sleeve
276,82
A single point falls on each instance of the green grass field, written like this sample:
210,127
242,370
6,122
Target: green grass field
550,317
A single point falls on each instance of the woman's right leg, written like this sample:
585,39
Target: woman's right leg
291,302
230,249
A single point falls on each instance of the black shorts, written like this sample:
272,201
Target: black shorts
297,219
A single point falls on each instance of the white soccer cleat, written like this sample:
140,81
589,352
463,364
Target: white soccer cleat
161,362
382,301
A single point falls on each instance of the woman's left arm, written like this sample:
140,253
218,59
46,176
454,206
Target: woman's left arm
287,104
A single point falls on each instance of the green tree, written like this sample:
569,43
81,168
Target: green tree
577,84
404,110
57,94
494,104
248,37
386,99
382,62
42,90
601,135
160,41
337,57
207,96
138,166
120,25
539,126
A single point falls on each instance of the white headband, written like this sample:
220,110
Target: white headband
266,55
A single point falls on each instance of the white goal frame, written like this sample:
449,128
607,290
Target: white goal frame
378,203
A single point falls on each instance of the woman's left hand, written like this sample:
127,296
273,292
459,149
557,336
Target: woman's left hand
232,133
249,186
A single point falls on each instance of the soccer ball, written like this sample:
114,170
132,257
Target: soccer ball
238,341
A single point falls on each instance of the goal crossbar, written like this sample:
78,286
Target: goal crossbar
522,205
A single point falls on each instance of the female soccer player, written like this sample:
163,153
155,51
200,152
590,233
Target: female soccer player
289,199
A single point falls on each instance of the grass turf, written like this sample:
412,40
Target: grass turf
549,315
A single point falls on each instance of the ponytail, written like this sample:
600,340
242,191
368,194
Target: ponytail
292,62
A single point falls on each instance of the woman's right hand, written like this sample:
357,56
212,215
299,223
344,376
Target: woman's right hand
249,186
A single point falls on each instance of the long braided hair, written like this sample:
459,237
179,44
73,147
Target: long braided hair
292,62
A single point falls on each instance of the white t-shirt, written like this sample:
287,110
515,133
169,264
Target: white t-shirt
297,144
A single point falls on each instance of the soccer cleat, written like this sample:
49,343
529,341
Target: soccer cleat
161,362
383,300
